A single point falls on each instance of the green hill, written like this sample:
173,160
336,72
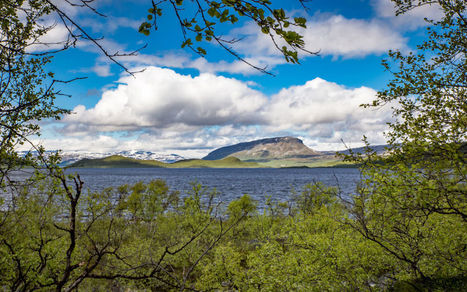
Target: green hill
117,161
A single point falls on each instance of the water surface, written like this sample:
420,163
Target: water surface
230,183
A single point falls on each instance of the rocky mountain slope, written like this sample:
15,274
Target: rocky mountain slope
265,149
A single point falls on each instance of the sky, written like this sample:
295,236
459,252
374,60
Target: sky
189,105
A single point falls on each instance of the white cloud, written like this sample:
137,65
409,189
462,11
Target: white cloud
326,111
161,110
70,8
317,102
333,35
90,143
412,19
338,36
110,24
58,34
102,70
55,38
194,144
183,60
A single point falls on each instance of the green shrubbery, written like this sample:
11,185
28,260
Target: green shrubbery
147,237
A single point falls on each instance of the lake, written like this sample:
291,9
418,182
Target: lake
230,183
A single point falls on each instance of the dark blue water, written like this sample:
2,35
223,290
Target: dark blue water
230,183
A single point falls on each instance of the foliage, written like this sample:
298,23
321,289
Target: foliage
145,236
55,237
27,95
316,196
200,21
413,200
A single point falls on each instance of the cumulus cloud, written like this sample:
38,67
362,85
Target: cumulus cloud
161,110
326,111
162,98
318,102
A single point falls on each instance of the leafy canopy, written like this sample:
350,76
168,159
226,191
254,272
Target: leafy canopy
201,20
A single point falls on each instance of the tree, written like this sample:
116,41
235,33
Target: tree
26,95
413,199
54,234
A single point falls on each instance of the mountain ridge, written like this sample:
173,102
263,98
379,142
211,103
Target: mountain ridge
117,161
70,157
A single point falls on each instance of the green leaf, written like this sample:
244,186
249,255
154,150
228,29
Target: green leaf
300,21
212,11
187,42
201,51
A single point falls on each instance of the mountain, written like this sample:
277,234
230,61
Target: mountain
69,157
284,152
265,149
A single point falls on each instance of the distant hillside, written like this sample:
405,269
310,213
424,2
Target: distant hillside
380,149
272,152
117,161
228,162
69,157
265,149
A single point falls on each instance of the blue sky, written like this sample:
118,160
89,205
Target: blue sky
182,103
